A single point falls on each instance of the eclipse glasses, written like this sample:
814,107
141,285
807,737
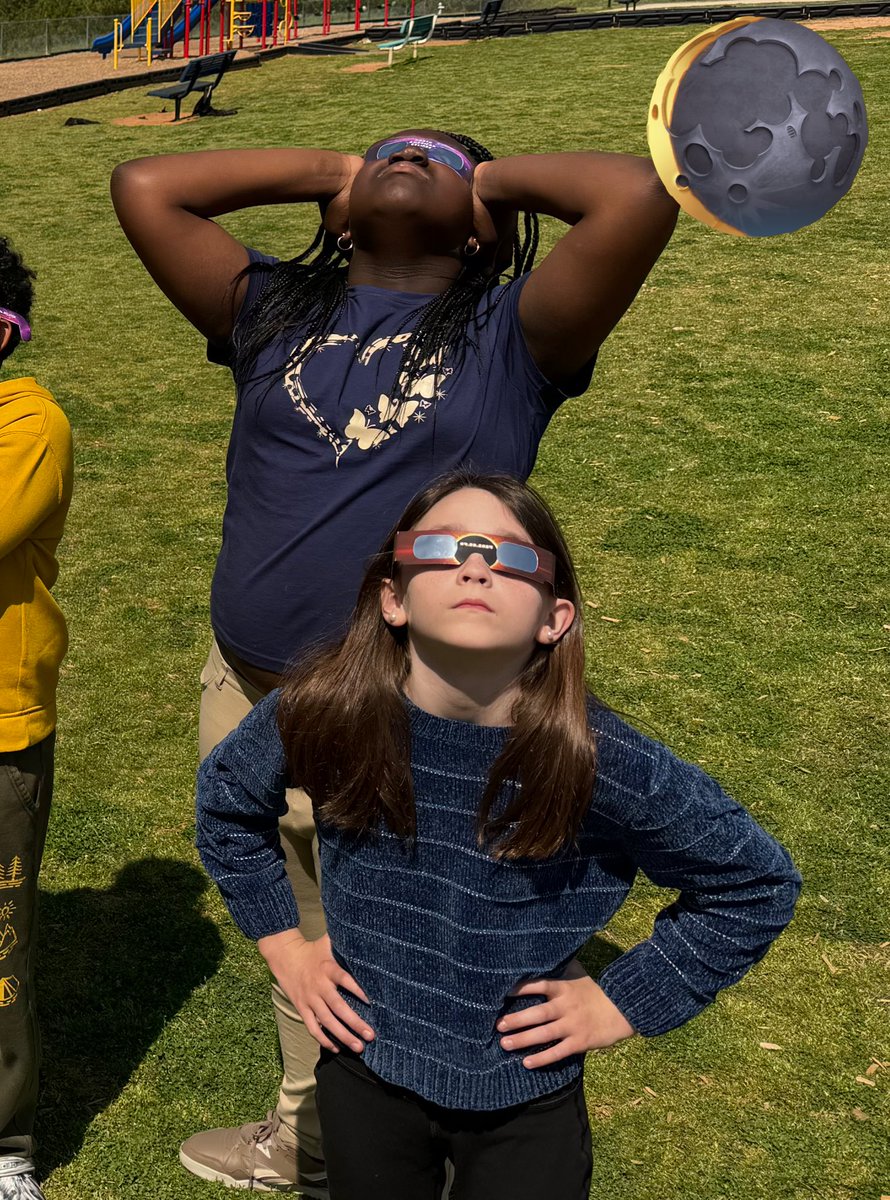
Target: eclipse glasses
441,547
435,150
6,314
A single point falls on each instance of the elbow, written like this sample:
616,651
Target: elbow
130,180
788,888
659,202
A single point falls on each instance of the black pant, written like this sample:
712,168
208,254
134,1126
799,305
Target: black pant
385,1143
26,788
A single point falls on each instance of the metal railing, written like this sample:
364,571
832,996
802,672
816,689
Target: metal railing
36,39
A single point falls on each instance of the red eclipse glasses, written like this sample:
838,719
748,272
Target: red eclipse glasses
442,547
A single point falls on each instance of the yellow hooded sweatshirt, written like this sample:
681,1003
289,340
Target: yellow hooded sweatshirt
35,490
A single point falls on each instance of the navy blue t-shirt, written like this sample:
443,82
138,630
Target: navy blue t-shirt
321,462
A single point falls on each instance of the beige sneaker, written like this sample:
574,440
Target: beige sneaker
255,1156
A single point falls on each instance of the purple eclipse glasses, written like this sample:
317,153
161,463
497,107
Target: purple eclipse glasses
6,314
435,150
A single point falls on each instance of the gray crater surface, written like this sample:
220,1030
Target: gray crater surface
769,127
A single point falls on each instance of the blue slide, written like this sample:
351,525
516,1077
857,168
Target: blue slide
105,44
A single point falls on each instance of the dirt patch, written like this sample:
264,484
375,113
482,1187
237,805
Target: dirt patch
363,68
849,23
44,74
158,118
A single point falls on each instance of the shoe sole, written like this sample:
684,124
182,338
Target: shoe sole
257,1185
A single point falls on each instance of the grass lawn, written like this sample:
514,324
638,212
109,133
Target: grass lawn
724,486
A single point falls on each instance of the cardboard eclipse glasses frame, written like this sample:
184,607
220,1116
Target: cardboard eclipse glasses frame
6,314
442,547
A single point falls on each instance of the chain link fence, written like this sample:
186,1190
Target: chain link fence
35,39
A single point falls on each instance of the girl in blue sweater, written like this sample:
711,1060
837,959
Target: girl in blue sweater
480,815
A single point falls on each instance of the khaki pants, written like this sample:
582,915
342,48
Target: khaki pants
226,698
26,788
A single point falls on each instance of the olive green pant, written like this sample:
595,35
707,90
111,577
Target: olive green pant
26,788
226,698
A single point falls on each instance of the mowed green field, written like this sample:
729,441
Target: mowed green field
724,487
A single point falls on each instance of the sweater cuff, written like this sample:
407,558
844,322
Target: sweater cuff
274,911
650,991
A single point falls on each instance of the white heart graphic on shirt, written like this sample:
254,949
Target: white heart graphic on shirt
392,415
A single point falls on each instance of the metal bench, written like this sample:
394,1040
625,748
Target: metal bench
201,75
413,32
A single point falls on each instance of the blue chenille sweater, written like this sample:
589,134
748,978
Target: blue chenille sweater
438,934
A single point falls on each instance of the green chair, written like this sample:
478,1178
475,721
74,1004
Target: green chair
413,32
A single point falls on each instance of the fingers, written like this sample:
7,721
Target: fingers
533,1037
564,1049
538,1014
345,980
328,1021
536,987
357,1024
316,1030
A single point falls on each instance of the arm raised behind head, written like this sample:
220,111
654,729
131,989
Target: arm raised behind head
166,207
621,219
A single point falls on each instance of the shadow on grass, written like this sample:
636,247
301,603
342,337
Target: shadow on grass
115,966
597,953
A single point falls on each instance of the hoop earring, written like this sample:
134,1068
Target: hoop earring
471,249
344,243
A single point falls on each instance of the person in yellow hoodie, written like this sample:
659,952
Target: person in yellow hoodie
35,491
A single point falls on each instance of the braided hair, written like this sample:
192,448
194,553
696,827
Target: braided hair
309,292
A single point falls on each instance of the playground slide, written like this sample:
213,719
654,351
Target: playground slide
105,44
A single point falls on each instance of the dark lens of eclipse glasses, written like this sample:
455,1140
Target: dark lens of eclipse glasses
517,558
435,545
508,554
433,150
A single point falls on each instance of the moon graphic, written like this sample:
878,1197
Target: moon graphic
757,127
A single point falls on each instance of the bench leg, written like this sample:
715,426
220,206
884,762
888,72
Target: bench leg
178,103
203,105
389,60
414,50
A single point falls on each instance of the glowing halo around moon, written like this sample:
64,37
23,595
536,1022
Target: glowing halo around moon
757,127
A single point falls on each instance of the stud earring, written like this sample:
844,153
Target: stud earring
344,243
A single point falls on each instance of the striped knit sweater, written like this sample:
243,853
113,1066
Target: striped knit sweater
438,934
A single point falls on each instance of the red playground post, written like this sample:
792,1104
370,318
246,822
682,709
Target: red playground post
222,25
385,12
185,35
274,22
358,14
326,17
412,8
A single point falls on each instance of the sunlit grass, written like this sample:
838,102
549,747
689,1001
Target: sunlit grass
724,486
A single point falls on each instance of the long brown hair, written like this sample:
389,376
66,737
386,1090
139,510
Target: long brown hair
345,727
